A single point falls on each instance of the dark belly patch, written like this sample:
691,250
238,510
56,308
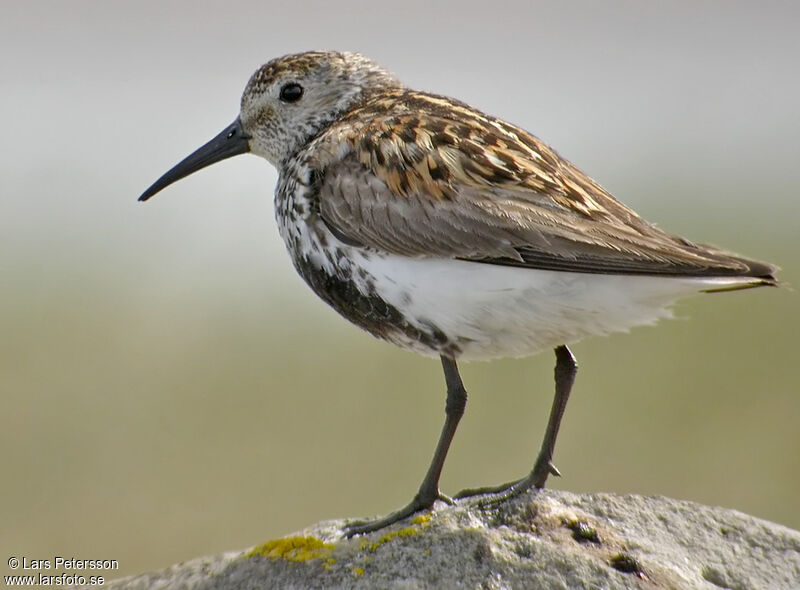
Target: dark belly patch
371,312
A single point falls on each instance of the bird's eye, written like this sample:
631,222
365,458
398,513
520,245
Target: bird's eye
291,92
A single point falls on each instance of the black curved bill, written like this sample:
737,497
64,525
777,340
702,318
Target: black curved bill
231,142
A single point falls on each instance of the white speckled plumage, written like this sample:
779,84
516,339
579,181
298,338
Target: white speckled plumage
486,311
504,311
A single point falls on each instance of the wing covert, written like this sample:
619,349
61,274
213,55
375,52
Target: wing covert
419,184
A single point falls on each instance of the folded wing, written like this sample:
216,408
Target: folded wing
453,182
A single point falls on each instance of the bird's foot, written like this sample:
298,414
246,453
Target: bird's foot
497,494
419,503
486,490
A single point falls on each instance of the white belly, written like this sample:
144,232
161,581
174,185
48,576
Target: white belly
501,311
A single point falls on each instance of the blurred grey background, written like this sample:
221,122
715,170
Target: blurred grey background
171,389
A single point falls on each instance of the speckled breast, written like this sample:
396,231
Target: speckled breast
326,266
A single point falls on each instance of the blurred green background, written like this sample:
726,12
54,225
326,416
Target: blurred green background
171,389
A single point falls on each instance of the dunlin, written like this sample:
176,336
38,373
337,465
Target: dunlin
452,233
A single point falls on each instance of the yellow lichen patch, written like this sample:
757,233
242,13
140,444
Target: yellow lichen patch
422,519
358,572
294,549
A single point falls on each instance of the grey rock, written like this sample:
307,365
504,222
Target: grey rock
545,539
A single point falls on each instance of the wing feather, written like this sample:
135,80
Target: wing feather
430,181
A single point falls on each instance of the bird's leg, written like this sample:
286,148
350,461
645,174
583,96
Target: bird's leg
429,490
565,371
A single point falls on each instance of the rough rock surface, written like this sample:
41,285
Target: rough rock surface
547,539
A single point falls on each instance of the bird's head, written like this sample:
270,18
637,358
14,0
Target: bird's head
286,103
